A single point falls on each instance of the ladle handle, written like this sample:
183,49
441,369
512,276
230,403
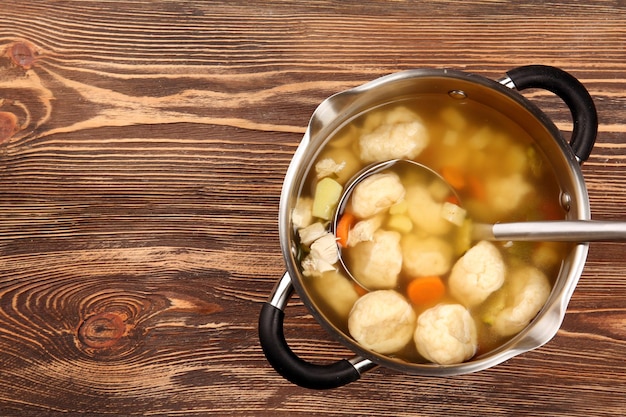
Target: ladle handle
572,92
553,231
286,362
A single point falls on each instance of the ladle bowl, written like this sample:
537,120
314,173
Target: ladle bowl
426,174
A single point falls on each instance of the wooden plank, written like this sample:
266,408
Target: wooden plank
143,147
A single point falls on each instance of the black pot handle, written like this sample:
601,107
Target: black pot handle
572,92
287,363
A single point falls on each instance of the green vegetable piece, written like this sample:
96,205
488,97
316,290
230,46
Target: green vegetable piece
463,237
327,194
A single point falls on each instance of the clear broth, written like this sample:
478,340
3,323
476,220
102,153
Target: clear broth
485,146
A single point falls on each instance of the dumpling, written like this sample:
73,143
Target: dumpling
446,334
382,321
376,193
527,291
425,256
376,264
505,194
425,212
336,291
394,141
477,274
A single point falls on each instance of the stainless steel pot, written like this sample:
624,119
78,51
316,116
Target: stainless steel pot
501,96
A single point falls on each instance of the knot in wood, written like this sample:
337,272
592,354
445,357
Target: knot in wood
103,330
22,54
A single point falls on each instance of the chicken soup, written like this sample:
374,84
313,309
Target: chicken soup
428,293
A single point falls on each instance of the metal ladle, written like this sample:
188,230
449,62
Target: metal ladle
535,231
427,174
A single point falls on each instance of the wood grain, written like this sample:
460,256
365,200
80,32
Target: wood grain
143,147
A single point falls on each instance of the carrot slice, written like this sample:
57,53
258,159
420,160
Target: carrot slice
426,291
359,290
454,177
343,228
453,199
477,188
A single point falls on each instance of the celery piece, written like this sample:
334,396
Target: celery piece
463,239
327,194
453,213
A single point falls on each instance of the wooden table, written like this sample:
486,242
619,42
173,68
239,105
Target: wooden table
142,150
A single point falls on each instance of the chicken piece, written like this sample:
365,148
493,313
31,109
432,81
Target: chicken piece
343,157
425,212
477,274
325,248
382,321
376,264
364,230
327,167
390,141
446,334
527,291
311,233
301,215
336,291
376,193
315,267
505,194
323,256
425,256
